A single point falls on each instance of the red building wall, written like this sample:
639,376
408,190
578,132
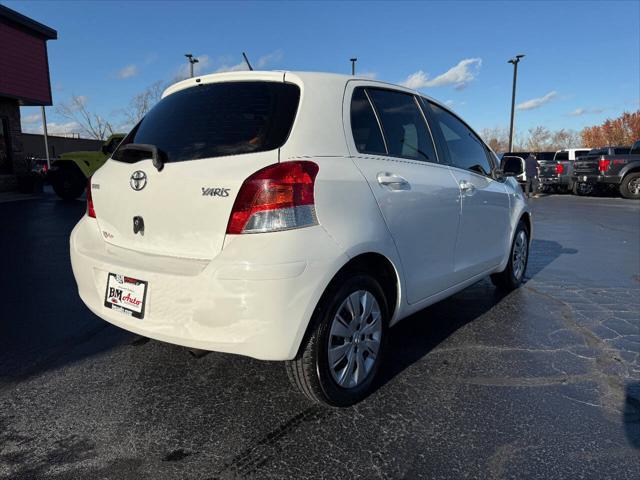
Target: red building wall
24,69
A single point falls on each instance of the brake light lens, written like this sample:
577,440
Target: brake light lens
559,169
603,165
278,197
91,211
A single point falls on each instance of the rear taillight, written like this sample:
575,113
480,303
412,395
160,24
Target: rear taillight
603,165
278,197
91,211
559,169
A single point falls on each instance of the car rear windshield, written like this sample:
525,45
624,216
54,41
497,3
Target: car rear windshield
216,119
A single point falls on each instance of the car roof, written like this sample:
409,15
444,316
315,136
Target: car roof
323,107
282,75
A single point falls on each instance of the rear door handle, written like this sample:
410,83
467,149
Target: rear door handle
393,181
467,188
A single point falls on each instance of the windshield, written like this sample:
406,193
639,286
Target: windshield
216,119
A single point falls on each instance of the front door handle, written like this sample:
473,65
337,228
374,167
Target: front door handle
467,188
393,181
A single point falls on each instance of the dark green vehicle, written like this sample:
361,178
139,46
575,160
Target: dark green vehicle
69,173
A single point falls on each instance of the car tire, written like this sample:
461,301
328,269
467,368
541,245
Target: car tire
68,182
335,353
630,186
582,189
513,275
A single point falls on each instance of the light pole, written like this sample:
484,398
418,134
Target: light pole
515,62
191,60
353,65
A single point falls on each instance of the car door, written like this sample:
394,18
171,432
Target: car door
418,197
483,235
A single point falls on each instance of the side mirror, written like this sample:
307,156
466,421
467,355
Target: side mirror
511,166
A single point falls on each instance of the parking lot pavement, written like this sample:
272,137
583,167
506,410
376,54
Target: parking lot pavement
542,383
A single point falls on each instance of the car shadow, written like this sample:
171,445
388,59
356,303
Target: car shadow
631,414
543,253
416,336
44,324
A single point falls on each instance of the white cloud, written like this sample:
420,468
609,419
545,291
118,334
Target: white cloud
36,117
261,63
537,102
54,128
369,75
204,61
127,72
449,103
238,67
578,112
459,76
268,59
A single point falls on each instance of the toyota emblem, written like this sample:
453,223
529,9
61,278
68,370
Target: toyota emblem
138,180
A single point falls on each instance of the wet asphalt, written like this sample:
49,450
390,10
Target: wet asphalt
541,383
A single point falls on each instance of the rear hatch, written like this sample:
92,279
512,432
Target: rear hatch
209,138
586,165
548,169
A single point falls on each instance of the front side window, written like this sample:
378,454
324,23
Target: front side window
466,150
216,119
404,127
364,126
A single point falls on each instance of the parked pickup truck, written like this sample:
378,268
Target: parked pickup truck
556,175
611,166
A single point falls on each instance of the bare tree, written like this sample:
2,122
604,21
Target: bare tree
565,139
140,104
539,139
91,123
497,138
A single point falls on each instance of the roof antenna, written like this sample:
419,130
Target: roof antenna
247,60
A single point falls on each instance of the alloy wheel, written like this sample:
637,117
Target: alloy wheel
519,257
354,339
634,186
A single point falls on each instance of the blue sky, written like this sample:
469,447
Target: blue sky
582,61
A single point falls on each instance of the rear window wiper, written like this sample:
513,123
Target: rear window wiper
142,151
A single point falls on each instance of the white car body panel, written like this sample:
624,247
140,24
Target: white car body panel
254,294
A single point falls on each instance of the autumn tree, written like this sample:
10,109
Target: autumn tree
624,130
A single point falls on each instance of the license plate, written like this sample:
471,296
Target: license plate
125,295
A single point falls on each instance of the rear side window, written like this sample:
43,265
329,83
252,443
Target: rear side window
466,150
621,151
562,156
365,128
217,119
404,126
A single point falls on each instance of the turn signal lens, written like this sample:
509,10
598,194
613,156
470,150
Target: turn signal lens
91,211
278,197
559,169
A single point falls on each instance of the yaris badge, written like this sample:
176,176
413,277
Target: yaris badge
138,180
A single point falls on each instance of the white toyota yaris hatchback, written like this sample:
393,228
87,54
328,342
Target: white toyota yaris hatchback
295,216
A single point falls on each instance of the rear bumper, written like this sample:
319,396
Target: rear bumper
562,180
593,179
255,298
549,180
